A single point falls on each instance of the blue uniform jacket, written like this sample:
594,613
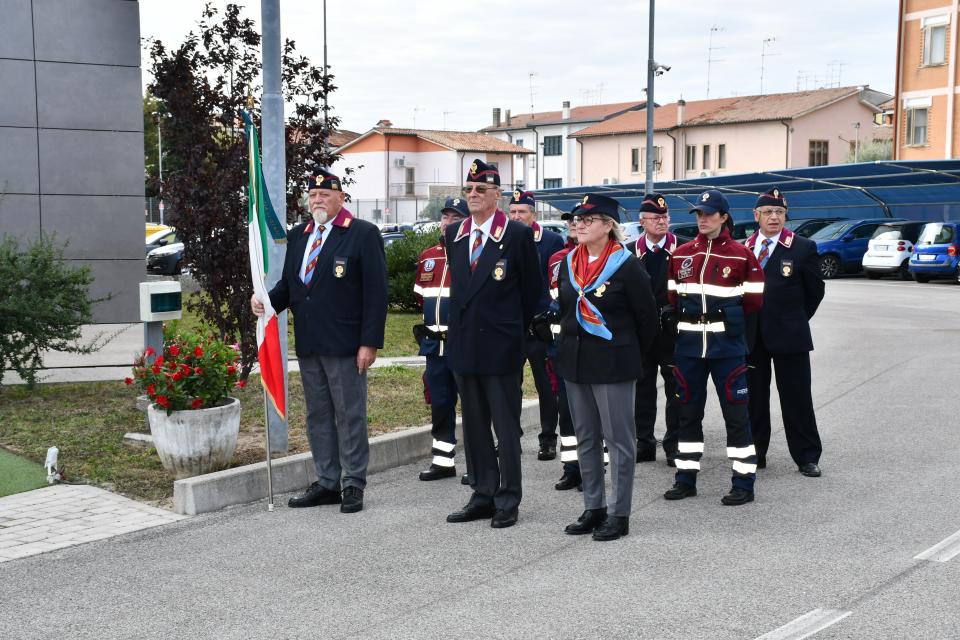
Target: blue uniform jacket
345,306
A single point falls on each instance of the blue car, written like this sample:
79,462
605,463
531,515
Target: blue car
841,245
937,252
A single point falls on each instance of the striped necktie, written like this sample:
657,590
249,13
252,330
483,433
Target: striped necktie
764,252
314,254
476,250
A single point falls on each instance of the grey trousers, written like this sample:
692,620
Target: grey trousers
605,413
336,398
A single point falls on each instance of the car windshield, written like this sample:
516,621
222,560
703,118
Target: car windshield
153,237
887,232
936,233
832,231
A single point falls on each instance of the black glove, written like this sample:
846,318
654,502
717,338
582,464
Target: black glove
540,326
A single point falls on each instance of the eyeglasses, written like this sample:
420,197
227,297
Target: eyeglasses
585,221
771,212
479,188
657,218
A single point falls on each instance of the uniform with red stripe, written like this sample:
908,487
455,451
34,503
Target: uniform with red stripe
431,287
714,283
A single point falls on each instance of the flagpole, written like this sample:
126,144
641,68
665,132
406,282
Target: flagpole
266,420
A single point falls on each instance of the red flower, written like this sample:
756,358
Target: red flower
151,390
155,369
198,371
172,365
158,361
174,350
231,369
149,351
196,404
198,351
163,401
177,375
185,369
128,381
241,384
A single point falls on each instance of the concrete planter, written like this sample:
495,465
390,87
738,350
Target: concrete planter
191,443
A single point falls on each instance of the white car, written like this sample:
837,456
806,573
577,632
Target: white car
557,226
632,230
890,248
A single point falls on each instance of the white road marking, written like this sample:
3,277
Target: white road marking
806,625
942,551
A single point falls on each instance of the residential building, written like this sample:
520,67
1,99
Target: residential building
547,132
721,136
925,122
71,140
397,173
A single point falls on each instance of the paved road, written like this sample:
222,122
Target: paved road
841,547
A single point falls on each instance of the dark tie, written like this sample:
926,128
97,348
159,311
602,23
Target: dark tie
314,254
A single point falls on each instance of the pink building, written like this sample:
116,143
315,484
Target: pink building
730,135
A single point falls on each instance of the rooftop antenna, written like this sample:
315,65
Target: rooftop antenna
600,93
445,114
532,75
415,110
710,50
763,57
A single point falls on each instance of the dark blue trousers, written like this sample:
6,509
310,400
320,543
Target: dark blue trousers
442,393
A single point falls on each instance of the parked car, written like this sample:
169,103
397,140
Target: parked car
890,248
632,231
557,226
153,227
937,252
390,238
161,238
685,231
841,245
806,227
166,260
393,227
743,230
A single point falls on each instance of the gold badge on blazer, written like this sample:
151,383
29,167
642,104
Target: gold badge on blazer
726,272
786,268
500,270
600,290
339,267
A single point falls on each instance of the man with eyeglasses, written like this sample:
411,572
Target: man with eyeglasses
654,248
523,209
780,334
494,289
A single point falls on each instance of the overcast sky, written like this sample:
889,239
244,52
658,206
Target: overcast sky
412,61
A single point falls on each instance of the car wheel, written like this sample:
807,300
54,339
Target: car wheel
872,276
904,271
829,266
921,279
178,268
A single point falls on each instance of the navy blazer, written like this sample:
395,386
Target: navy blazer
548,243
792,291
345,306
491,308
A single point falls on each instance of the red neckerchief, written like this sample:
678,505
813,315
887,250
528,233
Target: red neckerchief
585,272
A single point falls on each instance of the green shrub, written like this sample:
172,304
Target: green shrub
43,304
402,258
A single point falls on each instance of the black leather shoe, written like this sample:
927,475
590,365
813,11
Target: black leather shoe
314,496
737,497
352,500
465,479
612,528
547,452
810,469
569,480
587,522
473,511
679,491
761,462
646,455
503,518
436,472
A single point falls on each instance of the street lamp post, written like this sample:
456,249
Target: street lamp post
158,116
651,67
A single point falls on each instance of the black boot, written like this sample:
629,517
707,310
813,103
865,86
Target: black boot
614,527
569,480
436,472
315,495
587,522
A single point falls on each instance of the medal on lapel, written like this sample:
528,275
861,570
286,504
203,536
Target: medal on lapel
786,268
500,270
339,267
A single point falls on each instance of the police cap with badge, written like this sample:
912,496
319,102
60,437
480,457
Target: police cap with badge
772,198
712,201
594,203
482,172
323,179
457,206
523,197
654,203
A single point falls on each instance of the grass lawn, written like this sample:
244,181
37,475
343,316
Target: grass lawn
18,475
398,335
87,421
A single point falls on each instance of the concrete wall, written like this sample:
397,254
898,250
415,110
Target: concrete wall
71,137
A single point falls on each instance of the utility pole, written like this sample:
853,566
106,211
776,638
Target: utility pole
326,125
531,75
415,110
651,67
710,49
763,58
275,176
856,145
159,117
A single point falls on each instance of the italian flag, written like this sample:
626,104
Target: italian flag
268,332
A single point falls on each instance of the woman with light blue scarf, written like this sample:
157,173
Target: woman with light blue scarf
608,319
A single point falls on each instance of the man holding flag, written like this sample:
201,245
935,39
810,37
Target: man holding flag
335,283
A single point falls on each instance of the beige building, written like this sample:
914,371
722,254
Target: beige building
925,122
730,135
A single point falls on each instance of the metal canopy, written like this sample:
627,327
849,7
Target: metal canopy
922,190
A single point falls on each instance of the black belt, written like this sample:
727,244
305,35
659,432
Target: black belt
702,318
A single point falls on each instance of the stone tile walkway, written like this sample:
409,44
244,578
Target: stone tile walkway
66,515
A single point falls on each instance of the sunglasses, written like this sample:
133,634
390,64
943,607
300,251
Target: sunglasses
479,188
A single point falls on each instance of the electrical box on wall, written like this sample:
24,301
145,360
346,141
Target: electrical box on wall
160,300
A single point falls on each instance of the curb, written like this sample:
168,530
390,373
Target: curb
241,485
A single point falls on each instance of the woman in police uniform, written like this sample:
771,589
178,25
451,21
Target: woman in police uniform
608,320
